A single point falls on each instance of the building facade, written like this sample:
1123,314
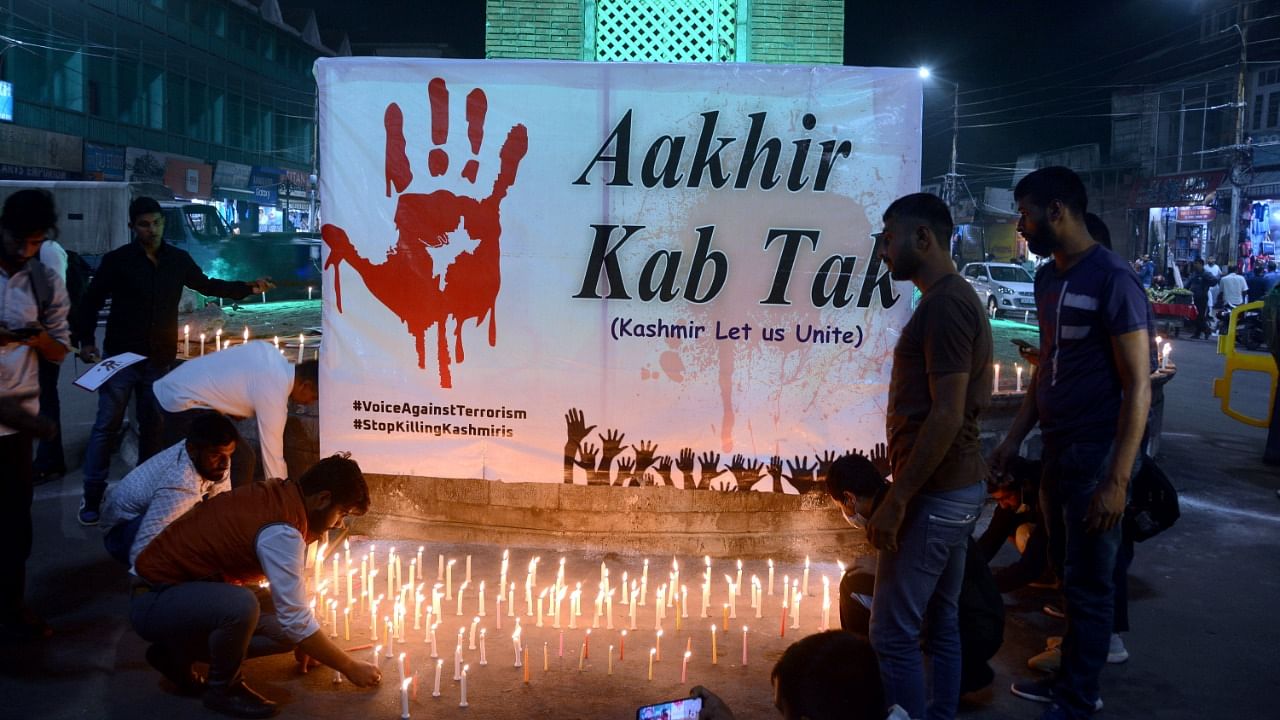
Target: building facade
212,98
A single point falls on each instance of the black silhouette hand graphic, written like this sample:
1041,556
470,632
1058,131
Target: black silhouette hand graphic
685,465
710,467
801,475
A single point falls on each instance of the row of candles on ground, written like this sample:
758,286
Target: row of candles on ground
389,606
220,344
408,680
1163,350
1017,369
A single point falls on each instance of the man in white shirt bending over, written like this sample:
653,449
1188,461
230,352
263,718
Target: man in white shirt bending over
243,381
168,484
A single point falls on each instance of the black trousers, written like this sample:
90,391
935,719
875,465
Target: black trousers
49,455
15,521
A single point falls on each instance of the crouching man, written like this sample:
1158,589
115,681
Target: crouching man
195,599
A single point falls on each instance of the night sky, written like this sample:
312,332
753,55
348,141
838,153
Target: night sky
1018,62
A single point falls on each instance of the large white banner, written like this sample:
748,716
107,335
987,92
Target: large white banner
609,273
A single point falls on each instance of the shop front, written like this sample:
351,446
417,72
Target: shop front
1176,217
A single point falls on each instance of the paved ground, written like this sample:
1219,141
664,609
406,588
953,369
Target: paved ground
1204,600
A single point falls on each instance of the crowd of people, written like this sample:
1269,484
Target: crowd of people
197,533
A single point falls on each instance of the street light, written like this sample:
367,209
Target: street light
948,185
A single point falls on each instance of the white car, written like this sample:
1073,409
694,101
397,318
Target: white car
1003,287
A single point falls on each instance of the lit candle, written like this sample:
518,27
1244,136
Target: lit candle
560,651
770,576
440,567
400,665
448,579
608,604
826,603
404,697
435,692
644,582
497,610
744,645
622,647
684,601
610,659
995,380
377,651
586,642
1164,355
346,623
302,344
309,289
652,652
714,657
484,660
795,607
186,340
511,600
725,615
465,670
202,343
481,603
390,636
658,645
502,578
275,340
246,327
806,575
541,596
264,296
582,656
468,578
433,639
461,592
526,666
471,638
545,662
217,340
684,668
515,643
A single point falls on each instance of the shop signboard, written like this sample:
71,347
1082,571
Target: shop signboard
103,162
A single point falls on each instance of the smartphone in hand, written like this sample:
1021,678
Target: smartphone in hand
682,709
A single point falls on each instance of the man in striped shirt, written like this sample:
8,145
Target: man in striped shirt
1090,394
168,484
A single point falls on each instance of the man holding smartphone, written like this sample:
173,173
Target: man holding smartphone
33,327
1090,397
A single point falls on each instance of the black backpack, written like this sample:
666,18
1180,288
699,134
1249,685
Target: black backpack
78,276
1153,503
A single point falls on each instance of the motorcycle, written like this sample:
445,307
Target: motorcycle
1249,330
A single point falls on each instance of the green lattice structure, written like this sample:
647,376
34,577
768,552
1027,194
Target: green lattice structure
771,31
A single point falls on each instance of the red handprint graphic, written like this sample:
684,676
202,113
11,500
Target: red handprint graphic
408,282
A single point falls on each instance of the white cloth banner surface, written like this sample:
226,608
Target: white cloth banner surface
609,273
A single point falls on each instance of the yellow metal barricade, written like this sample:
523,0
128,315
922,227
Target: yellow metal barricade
1243,362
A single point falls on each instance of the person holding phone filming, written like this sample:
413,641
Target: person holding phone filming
33,327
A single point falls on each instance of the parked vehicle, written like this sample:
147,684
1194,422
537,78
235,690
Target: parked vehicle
1003,287
93,218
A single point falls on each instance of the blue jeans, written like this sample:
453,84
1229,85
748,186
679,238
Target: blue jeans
214,622
922,579
113,400
1070,477
119,539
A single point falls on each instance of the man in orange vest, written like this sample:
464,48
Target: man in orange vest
196,595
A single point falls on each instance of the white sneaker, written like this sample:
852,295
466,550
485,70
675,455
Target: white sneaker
1117,653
